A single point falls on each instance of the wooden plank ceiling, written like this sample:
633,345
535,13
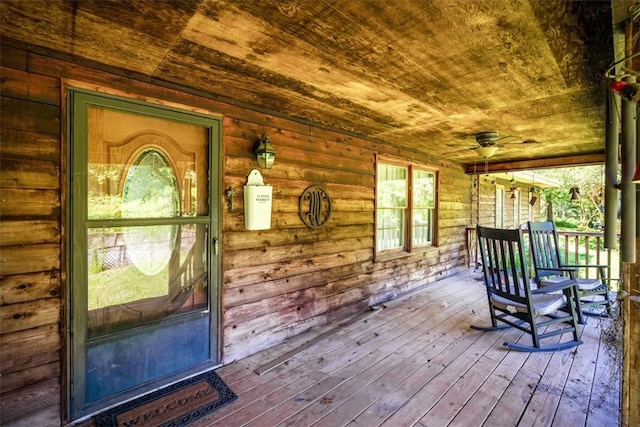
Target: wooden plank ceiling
426,75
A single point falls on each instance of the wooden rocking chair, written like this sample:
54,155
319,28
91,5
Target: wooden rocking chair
550,269
513,302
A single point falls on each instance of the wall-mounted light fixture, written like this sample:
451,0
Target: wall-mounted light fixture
575,193
265,153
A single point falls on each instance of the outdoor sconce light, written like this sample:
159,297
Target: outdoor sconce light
575,193
265,153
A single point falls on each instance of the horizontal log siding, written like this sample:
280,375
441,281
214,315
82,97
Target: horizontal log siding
275,283
281,281
30,235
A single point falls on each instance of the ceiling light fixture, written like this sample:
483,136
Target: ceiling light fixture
486,151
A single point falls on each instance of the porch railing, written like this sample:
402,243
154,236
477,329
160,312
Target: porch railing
577,247
588,248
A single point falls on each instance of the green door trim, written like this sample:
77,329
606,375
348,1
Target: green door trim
76,241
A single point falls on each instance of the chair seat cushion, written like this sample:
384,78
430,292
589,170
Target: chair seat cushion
543,303
588,284
583,284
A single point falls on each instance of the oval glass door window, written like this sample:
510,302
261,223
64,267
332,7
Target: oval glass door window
150,191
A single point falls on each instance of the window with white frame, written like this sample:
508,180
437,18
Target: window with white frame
423,207
531,205
516,209
406,206
499,206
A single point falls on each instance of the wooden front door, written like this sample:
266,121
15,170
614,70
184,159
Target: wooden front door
143,270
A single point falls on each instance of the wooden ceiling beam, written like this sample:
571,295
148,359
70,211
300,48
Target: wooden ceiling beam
545,163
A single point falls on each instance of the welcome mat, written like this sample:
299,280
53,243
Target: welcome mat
176,405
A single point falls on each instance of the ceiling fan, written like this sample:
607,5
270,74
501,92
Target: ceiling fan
488,143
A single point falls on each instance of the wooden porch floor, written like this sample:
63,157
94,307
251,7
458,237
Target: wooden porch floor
417,363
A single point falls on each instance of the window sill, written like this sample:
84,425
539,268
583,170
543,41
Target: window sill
397,254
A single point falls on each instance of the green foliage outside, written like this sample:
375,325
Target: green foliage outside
583,215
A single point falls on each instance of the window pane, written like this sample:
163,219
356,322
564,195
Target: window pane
499,207
390,229
392,186
143,273
516,209
424,190
424,202
422,226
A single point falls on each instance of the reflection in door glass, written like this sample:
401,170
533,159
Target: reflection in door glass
122,295
150,190
142,273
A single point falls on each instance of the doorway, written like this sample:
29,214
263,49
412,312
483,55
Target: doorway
143,241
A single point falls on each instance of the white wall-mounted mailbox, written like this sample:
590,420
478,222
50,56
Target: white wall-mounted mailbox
257,202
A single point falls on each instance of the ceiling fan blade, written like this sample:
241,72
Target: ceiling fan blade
462,150
520,143
508,137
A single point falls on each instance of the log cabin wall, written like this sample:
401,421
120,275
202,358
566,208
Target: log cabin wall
275,283
484,211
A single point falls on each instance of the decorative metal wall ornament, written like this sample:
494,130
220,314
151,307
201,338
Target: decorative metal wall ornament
229,193
315,206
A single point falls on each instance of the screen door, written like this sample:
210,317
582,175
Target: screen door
143,265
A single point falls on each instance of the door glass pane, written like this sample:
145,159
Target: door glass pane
145,174
150,188
144,273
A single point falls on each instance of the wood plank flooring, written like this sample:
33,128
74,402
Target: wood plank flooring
417,363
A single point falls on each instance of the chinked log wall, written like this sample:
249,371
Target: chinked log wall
276,283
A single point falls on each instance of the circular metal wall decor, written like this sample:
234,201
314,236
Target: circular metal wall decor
315,206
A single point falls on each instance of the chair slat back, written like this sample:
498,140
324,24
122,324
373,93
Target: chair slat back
545,249
503,263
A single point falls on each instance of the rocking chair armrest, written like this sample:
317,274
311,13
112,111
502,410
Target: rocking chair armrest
585,265
602,268
563,269
555,287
